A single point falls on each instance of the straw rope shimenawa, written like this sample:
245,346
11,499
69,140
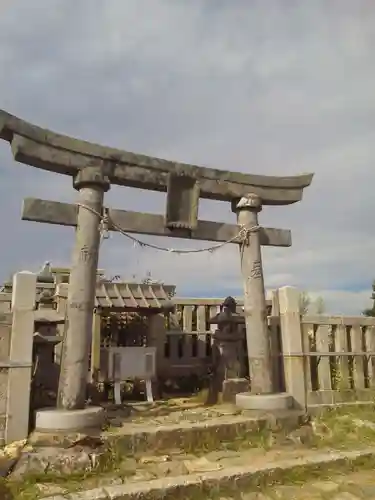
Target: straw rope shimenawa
241,237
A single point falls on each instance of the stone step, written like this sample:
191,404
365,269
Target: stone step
232,482
192,435
148,435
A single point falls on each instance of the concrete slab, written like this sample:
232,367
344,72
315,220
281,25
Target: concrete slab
52,419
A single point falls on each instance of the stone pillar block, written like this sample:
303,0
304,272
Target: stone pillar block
291,336
20,357
24,291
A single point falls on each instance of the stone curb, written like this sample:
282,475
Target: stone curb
193,434
233,478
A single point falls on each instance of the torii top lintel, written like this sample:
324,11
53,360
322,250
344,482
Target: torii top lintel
62,154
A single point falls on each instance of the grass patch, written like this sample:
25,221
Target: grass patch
346,428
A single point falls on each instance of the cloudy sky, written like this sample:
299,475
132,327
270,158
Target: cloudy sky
276,87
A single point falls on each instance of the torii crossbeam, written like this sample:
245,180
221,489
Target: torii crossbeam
66,214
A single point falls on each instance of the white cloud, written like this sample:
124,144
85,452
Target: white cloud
262,88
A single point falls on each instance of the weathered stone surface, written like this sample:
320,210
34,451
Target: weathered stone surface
345,496
54,460
55,497
50,489
141,476
285,492
64,440
325,486
155,459
255,496
95,494
129,465
201,465
173,468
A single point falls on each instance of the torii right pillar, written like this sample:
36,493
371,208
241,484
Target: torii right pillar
261,395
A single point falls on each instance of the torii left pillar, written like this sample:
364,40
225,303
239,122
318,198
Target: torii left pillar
71,412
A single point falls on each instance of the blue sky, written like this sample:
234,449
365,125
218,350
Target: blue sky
276,87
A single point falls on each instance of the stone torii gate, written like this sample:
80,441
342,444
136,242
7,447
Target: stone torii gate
93,169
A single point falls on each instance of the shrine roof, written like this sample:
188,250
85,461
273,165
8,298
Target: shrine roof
128,296
133,296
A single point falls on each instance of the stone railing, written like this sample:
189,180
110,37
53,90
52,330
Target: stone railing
335,354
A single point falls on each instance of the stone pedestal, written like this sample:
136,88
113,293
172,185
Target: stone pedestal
264,402
59,420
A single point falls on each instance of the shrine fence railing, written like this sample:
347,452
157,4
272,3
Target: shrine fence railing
339,359
327,360
321,360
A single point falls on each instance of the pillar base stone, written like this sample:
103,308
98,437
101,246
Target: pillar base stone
59,420
264,402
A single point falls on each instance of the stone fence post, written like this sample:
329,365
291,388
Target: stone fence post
291,337
20,357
